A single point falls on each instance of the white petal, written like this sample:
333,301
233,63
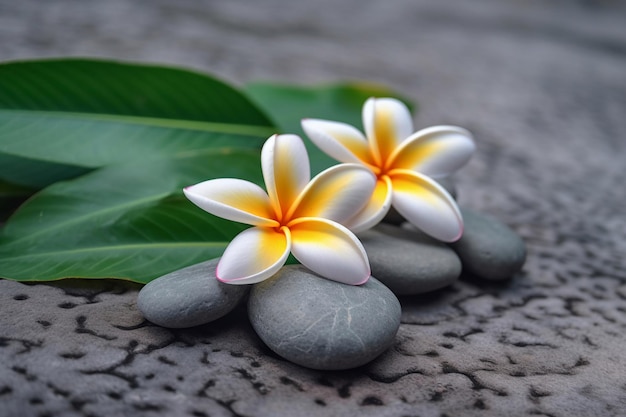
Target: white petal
330,250
337,193
387,124
339,140
375,209
427,205
436,151
286,170
253,256
233,199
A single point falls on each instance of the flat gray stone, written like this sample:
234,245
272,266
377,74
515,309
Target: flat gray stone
489,249
322,324
189,297
408,261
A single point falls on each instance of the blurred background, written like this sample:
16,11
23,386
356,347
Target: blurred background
529,78
487,60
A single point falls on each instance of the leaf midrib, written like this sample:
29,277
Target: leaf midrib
133,203
134,246
96,213
195,125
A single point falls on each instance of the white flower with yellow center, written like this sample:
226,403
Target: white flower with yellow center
404,162
296,215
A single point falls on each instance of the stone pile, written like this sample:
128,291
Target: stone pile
327,325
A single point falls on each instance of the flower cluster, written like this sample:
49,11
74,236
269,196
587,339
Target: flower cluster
315,219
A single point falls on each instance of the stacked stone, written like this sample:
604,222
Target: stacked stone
327,325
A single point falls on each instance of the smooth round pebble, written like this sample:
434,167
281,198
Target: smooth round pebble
408,261
488,248
393,217
323,324
189,297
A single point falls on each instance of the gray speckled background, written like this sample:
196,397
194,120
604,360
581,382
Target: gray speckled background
541,84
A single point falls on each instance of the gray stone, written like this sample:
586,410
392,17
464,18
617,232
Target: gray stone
488,248
408,261
322,324
189,297
393,217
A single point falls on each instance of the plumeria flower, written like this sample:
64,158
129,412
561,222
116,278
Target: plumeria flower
296,215
404,162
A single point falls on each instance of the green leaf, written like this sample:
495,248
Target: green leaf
132,136
288,104
90,113
129,221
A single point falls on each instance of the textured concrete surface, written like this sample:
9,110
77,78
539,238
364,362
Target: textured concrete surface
542,85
